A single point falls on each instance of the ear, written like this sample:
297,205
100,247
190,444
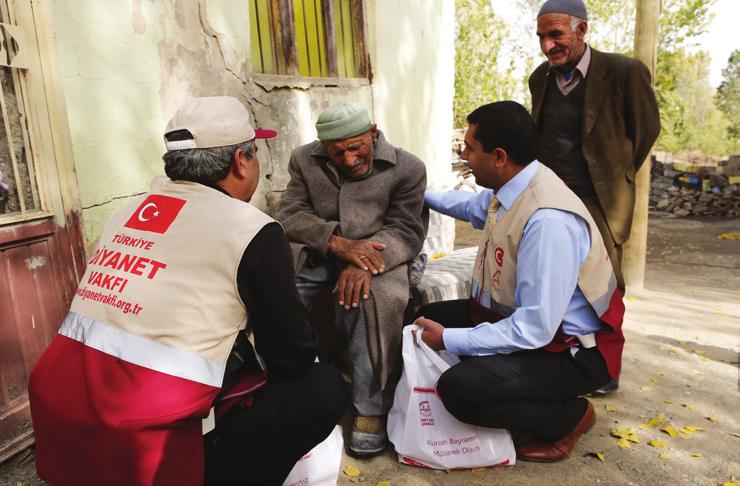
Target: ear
581,30
501,156
374,131
239,164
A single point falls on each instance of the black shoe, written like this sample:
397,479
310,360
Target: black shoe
607,389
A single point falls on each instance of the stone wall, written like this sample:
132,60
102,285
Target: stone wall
695,191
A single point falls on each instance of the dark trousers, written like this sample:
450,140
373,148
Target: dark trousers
259,445
535,392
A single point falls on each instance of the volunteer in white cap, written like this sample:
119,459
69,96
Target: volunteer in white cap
154,351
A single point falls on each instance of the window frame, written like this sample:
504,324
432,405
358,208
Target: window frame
283,41
18,67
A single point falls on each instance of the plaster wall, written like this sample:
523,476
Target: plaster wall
413,87
127,65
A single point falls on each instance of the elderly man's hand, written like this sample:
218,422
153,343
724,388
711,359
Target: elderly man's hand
431,333
352,283
364,254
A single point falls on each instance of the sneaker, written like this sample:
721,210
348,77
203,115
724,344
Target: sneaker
368,436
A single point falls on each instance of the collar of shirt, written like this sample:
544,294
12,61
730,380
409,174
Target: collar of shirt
579,72
510,191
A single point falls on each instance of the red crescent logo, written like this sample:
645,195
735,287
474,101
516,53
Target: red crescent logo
498,254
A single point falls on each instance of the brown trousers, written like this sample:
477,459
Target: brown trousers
612,248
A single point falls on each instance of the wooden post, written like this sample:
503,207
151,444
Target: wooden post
635,249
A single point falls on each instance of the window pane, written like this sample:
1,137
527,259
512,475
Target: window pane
18,189
261,43
345,39
309,37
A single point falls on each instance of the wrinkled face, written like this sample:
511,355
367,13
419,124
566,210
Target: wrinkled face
562,45
479,161
353,157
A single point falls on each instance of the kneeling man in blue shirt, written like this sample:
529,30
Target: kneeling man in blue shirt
542,326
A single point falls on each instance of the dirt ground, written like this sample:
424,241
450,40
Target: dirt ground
681,360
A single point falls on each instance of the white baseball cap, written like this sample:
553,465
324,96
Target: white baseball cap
214,121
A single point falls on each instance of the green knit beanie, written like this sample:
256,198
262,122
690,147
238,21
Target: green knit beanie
343,120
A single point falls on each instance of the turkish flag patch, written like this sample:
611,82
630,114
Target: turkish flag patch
155,214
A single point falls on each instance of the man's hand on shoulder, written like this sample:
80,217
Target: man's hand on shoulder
364,254
352,283
431,333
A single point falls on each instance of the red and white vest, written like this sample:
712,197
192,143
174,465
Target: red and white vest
119,395
494,274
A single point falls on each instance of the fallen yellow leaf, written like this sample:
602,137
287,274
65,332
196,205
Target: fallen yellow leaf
697,372
696,454
624,443
705,359
729,236
688,405
646,388
721,312
670,430
631,297
478,469
668,401
690,429
736,434
598,455
664,455
657,443
654,380
626,434
700,352
351,471
713,418
610,408
650,424
684,435
383,483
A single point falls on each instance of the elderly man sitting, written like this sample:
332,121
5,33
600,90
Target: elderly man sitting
353,211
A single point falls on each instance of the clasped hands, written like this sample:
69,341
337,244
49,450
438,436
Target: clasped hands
365,260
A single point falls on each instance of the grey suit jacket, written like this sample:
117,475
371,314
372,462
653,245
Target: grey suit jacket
620,125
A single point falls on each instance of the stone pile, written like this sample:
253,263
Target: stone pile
698,193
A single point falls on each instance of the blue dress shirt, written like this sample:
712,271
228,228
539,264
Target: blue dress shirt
468,206
553,246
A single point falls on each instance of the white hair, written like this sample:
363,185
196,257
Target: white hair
574,21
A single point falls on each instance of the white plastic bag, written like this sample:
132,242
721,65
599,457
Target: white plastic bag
320,467
423,432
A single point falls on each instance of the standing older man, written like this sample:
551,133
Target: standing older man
156,337
353,211
598,119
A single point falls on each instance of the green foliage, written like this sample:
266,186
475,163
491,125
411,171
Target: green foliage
690,120
681,22
479,78
728,96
